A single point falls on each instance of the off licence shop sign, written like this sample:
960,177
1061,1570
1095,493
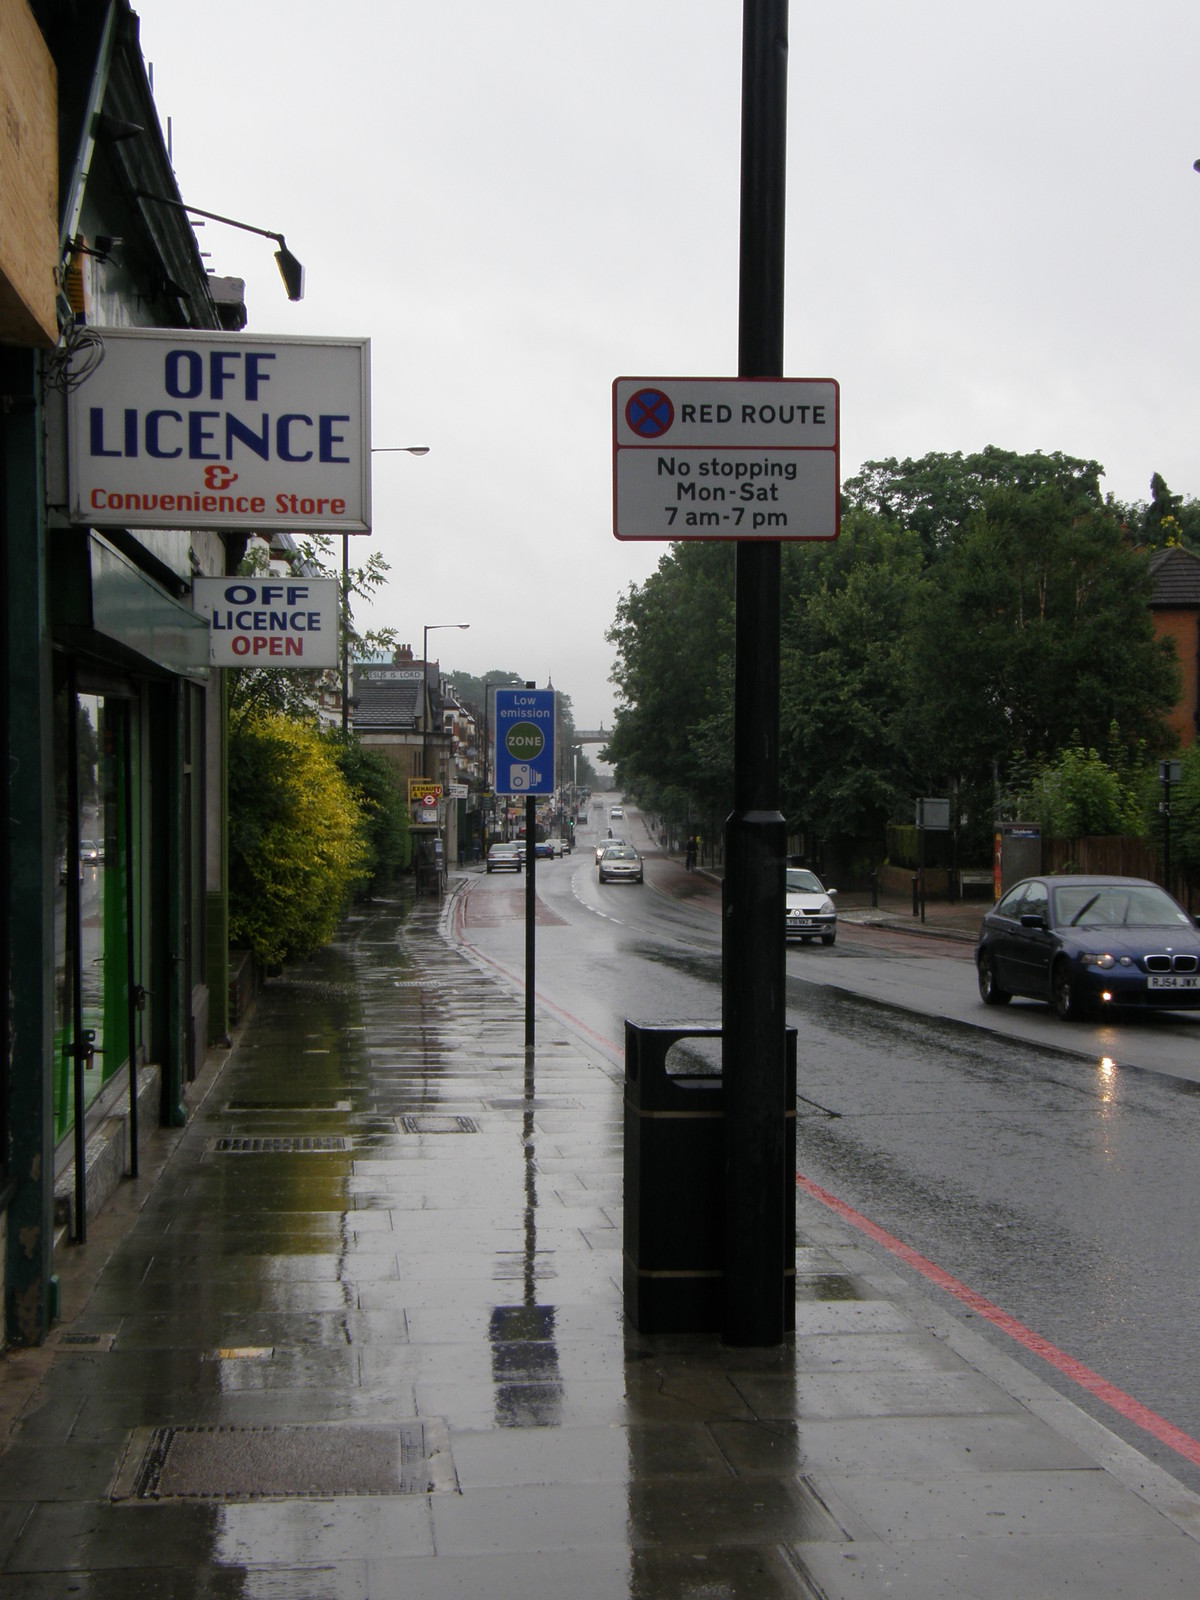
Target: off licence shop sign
177,428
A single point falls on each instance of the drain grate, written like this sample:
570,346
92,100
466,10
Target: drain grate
86,1341
284,1145
270,1463
326,1106
432,1122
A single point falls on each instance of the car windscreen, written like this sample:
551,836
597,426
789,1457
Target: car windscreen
620,855
800,882
1116,906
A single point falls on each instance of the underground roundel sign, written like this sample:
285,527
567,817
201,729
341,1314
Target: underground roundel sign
525,741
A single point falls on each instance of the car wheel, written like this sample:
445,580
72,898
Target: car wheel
1068,1004
990,991
828,938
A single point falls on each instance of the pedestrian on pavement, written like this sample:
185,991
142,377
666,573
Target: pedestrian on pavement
690,856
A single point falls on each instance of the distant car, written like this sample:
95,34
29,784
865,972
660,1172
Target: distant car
1089,945
505,857
582,817
616,811
543,849
621,864
606,844
811,913
90,852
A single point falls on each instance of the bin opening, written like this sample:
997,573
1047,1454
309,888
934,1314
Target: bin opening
693,1058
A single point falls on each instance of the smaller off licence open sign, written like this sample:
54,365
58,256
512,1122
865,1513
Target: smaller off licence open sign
725,458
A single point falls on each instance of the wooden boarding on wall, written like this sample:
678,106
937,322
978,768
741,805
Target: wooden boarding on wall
28,180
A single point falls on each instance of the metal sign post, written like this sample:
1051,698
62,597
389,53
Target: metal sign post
757,1190
524,762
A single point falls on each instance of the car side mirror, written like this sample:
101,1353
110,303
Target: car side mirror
1032,919
832,893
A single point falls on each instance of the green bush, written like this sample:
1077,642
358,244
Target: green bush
1079,794
296,837
376,785
1185,814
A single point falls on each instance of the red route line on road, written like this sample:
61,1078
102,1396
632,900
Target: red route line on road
1123,1404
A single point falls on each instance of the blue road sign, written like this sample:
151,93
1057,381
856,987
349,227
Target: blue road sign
525,741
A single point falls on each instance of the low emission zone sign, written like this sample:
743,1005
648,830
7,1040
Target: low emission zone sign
525,741
725,458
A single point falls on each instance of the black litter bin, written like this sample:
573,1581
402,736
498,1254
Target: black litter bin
674,1246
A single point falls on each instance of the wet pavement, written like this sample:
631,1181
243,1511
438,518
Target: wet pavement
358,1335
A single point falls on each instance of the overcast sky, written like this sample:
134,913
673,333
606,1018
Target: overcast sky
993,238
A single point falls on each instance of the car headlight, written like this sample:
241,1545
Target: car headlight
1103,961
826,907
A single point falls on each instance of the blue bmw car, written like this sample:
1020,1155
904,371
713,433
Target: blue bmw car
1089,945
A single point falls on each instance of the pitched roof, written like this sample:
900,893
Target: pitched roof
388,697
1176,574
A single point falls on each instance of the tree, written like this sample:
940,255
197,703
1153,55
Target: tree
1185,815
296,843
974,606
844,764
1167,519
1033,632
671,635
937,495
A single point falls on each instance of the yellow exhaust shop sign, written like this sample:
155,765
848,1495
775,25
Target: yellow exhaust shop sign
269,622
175,428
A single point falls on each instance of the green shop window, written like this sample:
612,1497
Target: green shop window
94,762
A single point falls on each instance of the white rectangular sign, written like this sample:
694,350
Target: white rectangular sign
725,458
176,428
265,621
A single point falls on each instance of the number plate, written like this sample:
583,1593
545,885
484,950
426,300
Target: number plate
1173,980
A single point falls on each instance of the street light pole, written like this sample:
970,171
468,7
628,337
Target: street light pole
376,450
425,707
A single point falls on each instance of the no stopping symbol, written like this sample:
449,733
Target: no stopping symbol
650,413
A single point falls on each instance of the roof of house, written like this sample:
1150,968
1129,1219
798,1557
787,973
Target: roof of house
1176,574
387,697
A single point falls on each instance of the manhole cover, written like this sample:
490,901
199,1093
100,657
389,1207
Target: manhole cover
256,1463
432,1122
285,1145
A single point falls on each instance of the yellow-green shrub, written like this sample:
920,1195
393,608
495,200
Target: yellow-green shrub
296,840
